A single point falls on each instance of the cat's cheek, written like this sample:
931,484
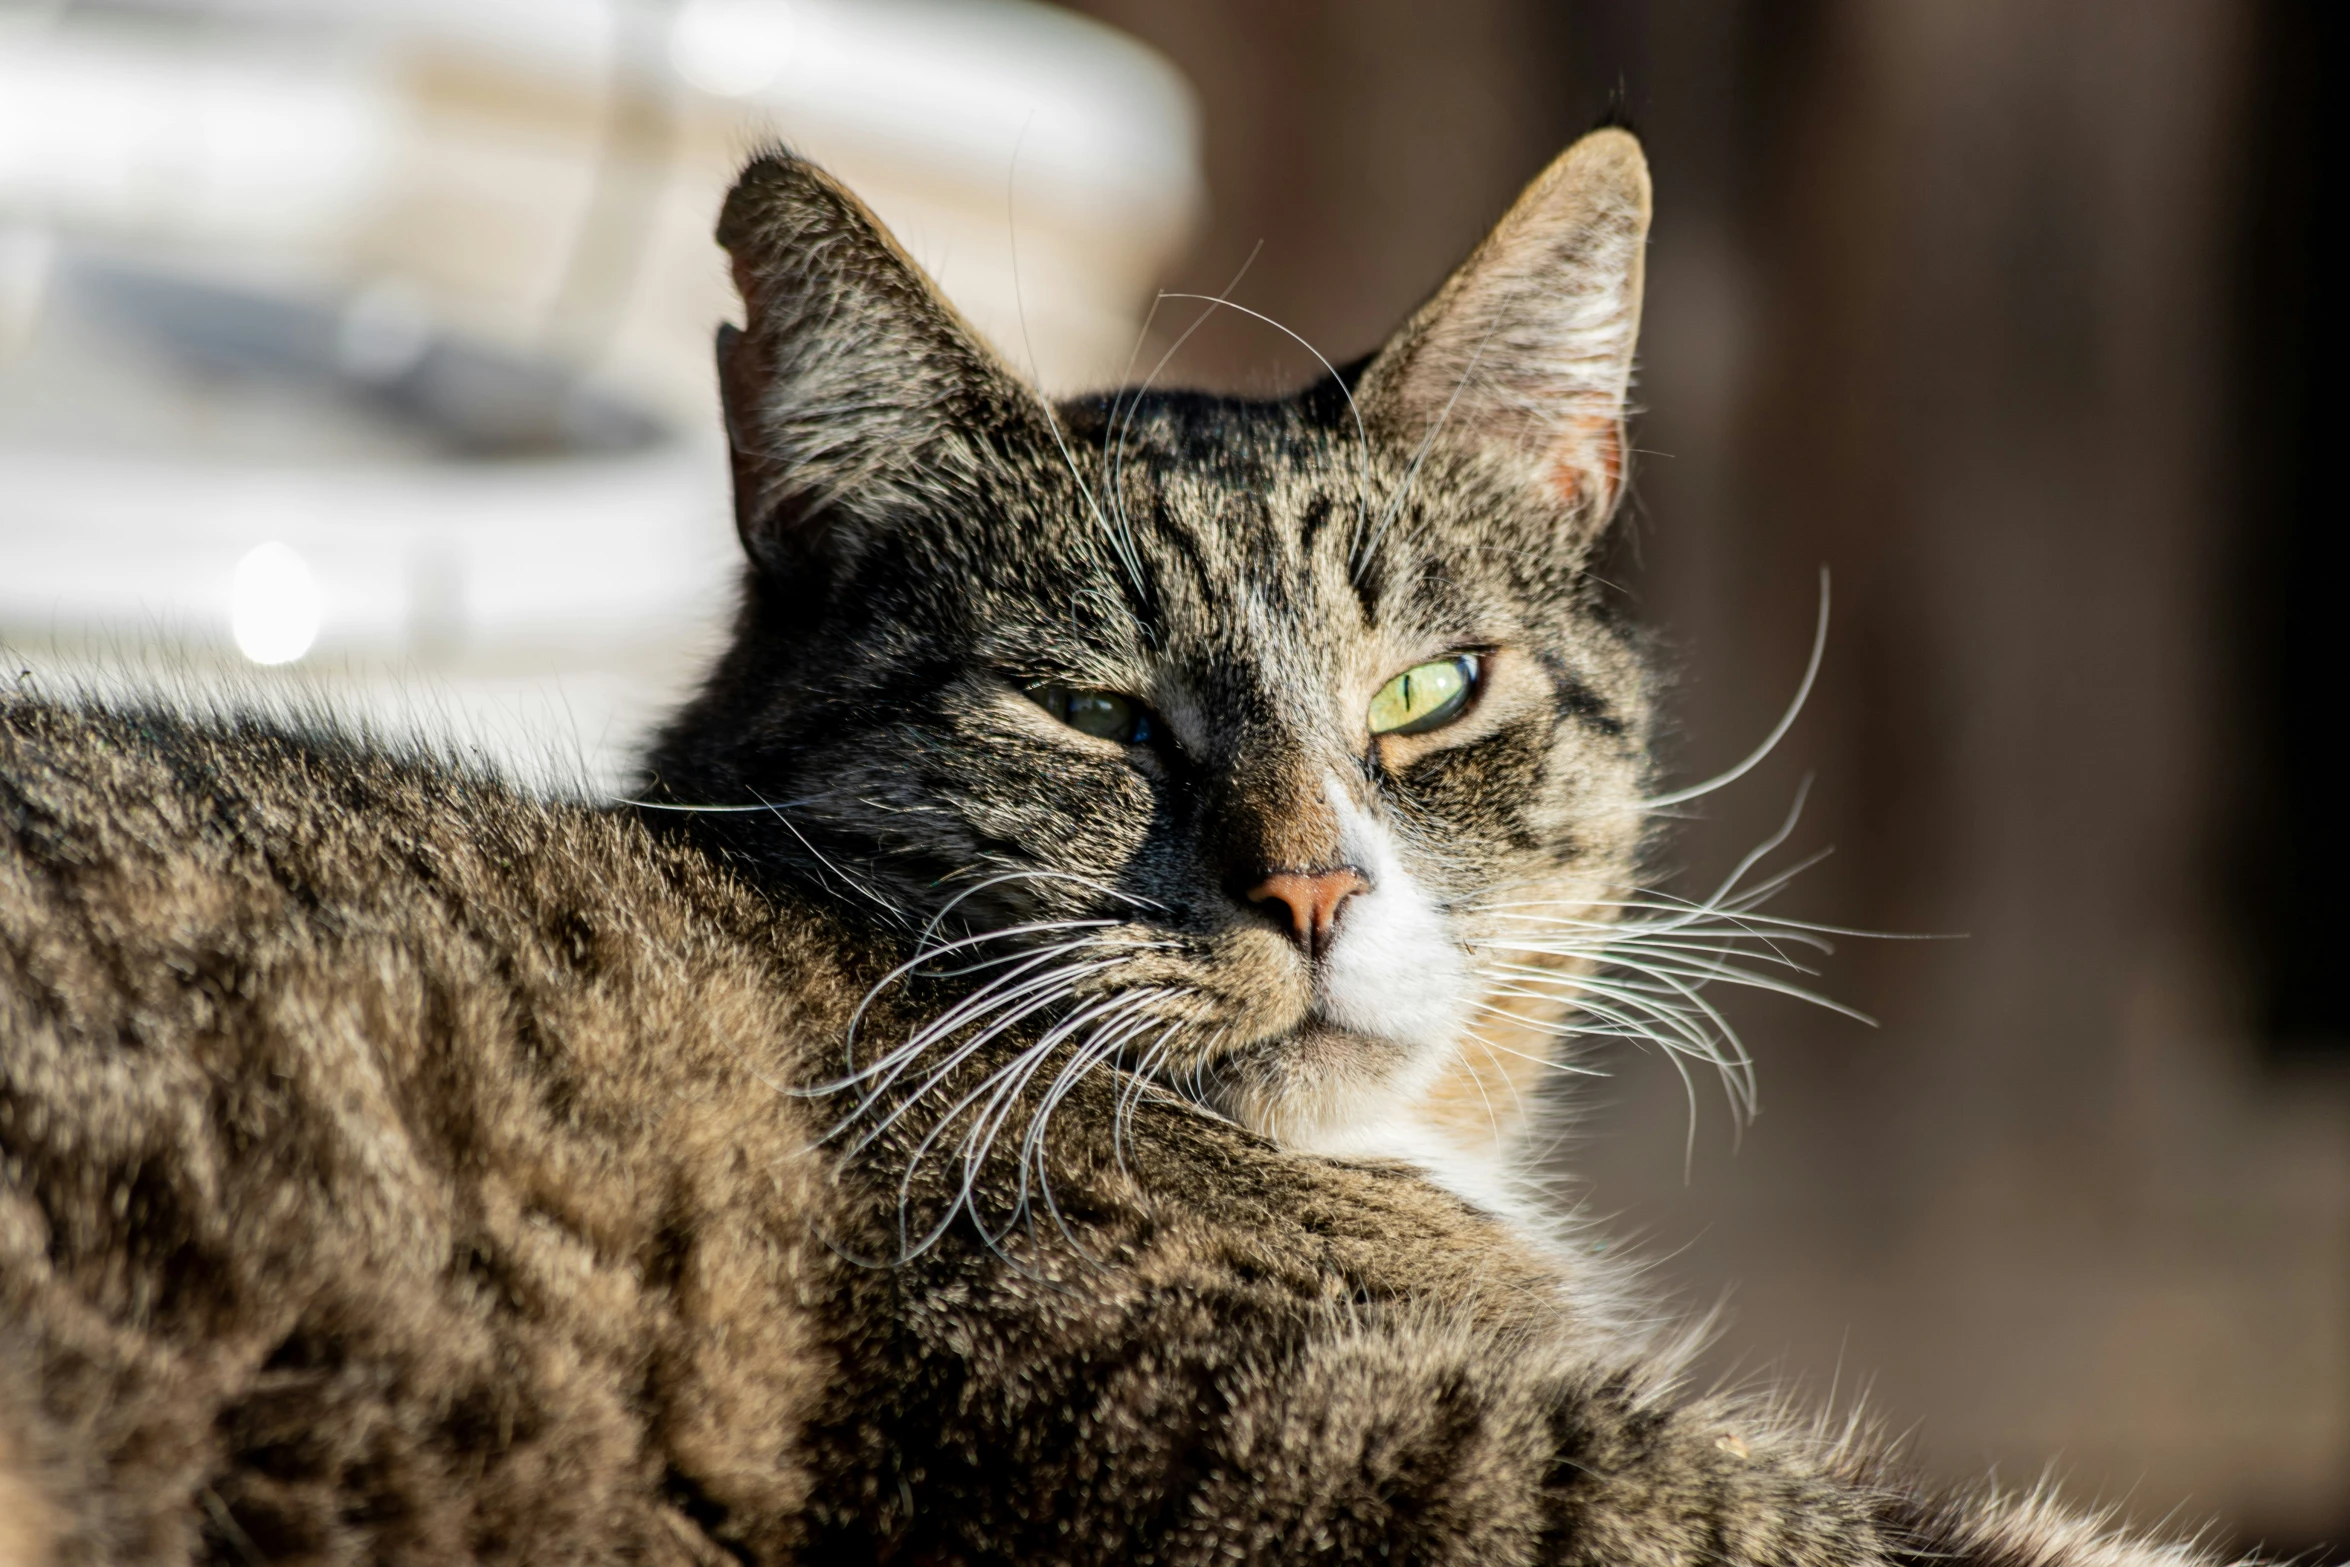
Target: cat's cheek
1087,819
1472,799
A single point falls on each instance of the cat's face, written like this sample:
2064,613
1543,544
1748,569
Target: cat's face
1239,740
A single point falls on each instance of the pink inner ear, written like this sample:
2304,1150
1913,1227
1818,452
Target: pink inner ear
1589,462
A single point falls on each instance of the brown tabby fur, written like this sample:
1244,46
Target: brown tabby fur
401,1168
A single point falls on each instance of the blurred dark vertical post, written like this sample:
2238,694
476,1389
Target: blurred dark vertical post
2294,406
1944,297
1355,150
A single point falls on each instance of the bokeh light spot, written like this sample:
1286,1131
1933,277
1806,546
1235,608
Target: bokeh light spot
274,605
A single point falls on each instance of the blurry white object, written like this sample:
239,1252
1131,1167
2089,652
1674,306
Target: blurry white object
556,164
133,134
273,605
203,476
1078,113
366,345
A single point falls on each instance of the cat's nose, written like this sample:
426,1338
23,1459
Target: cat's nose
1312,899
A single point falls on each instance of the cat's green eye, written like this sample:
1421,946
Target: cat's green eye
1425,696
1101,713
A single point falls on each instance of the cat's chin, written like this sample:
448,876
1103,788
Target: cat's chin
1326,1089
1321,1080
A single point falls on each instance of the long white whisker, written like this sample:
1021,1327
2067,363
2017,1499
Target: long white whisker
1111,1032
1688,1016
717,810
857,1018
1109,1037
921,1150
1117,436
1724,973
1569,1068
879,900
982,965
1000,1088
1004,877
1733,922
1041,992
979,1142
1477,1080
1770,846
1100,1013
1121,543
1141,1079
1811,672
885,1073
1688,939
1686,1033
991,1084
1365,549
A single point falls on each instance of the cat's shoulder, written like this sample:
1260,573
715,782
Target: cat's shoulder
153,825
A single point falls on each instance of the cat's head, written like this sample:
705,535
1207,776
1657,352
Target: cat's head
1252,742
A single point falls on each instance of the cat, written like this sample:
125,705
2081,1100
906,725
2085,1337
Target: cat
1034,1074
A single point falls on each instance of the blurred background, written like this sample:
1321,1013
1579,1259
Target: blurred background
363,348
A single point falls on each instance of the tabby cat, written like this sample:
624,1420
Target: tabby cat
1032,1077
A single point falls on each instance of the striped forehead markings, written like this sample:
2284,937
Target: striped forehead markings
1317,517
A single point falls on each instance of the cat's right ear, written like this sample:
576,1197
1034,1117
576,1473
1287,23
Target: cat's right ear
856,398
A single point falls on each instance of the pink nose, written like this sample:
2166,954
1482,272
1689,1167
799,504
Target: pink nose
1312,899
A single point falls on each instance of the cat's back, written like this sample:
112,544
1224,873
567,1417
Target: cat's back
361,1118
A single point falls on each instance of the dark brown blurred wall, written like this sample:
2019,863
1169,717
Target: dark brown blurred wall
1940,299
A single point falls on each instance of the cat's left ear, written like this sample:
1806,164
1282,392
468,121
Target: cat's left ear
856,398
1525,354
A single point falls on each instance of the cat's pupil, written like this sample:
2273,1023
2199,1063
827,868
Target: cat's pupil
1101,713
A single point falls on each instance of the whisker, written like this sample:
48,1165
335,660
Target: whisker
1730,943
1567,1068
1491,1120
857,1018
1739,924
1092,1054
1811,672
1031,999
994,1086
1117,444
1676,1019
1141,1080
1103,1016
1005,990
1698,1024
979,1142
1120,537
1004,877
1365,549
717,810
1000,1088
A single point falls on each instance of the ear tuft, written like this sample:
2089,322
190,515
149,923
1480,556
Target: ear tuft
855,395
1526,351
